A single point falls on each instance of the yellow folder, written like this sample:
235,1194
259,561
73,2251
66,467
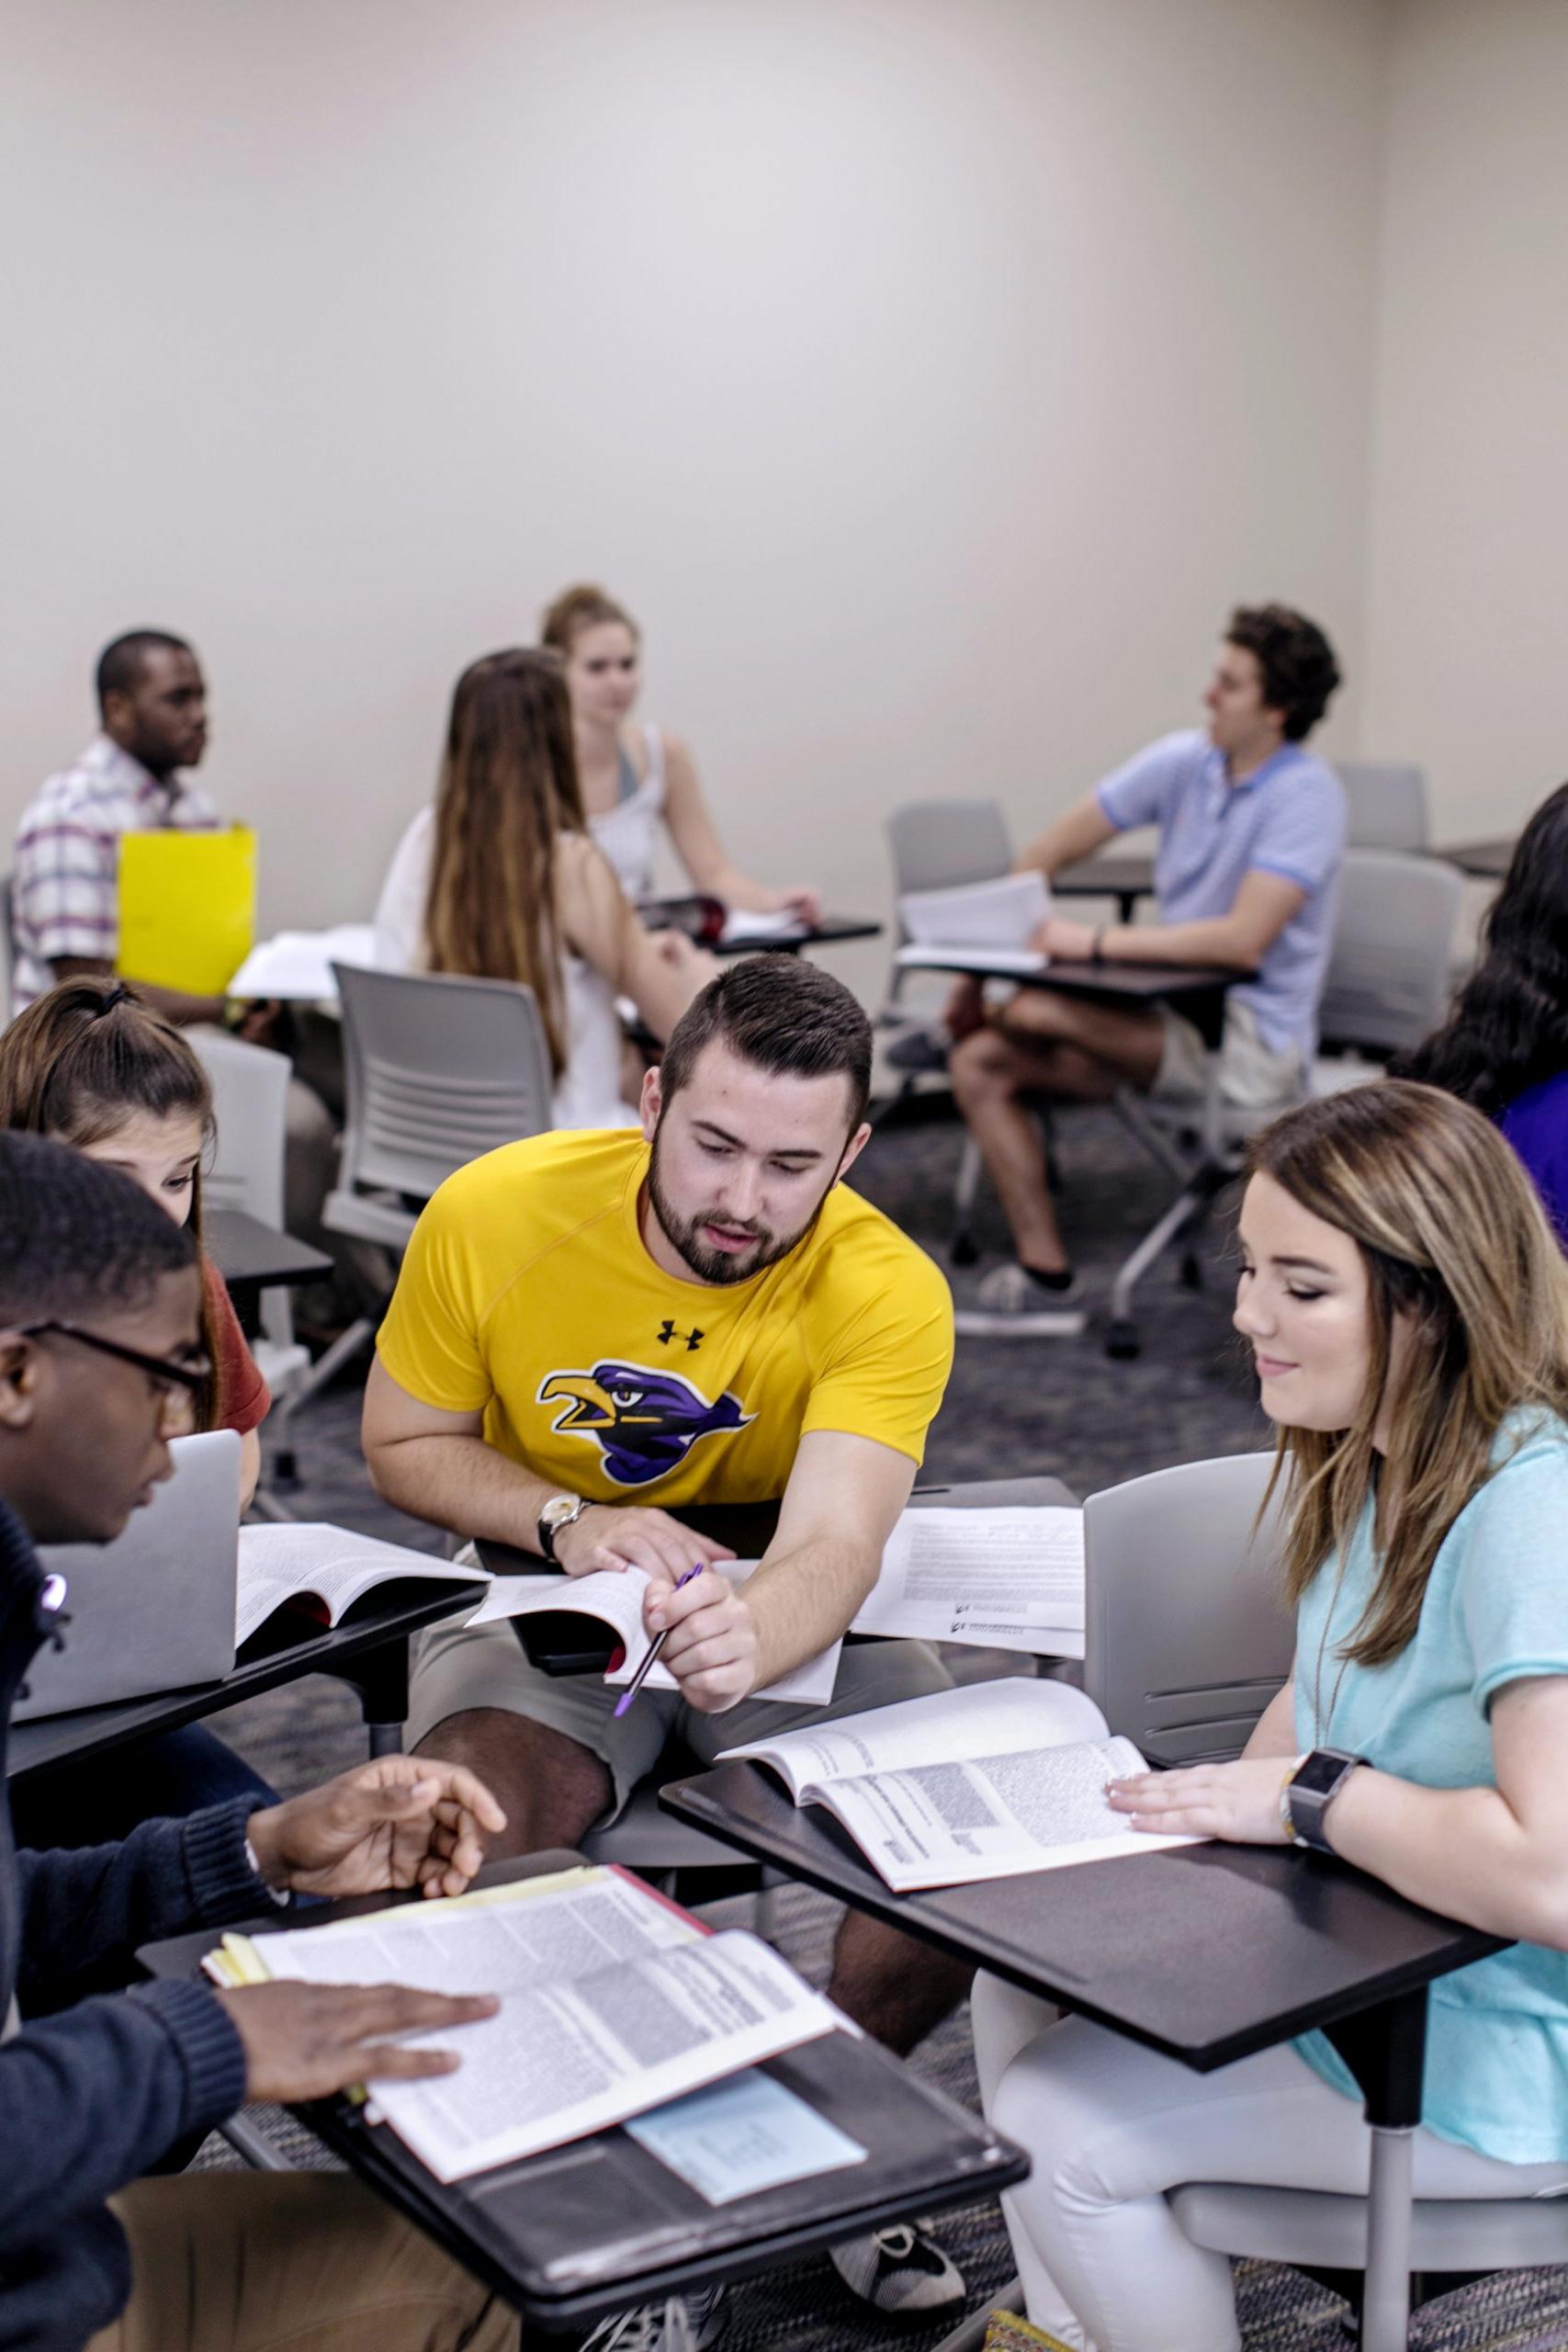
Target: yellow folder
187,906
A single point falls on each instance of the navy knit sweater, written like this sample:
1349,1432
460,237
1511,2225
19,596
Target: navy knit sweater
94,2090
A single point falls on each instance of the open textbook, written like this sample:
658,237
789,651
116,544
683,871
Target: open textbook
298,963
1011,1578
612,2001
985,1781
988,922
325,1566
615,1596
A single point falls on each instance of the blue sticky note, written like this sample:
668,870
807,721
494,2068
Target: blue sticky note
743,2135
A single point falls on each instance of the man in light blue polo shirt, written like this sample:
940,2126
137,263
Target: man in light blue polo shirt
1251,834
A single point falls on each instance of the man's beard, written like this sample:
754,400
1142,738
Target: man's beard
720,1266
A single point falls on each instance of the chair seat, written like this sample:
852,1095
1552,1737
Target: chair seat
1329,2232
369,1216
280,1362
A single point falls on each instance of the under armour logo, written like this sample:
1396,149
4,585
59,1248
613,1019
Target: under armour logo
667,1332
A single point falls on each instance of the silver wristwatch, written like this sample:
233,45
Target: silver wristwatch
561,1510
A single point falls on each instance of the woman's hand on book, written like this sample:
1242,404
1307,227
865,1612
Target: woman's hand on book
1239,1801
308,2040
402,1821
711,1645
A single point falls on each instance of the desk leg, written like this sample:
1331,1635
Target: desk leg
969,2336
381,1679
1385,2048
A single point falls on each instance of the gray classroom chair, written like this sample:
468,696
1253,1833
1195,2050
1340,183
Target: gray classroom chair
250,1112
438,1068
1386,800
940,845
1187,1636
1387,986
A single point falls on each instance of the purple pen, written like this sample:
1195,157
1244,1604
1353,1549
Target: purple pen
640,1676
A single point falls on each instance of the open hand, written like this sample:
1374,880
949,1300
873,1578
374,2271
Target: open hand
1239,1802
712,1645
308,2040
615,1535
402,1821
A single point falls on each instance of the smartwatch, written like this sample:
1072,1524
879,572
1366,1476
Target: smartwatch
561,1510
1310,1790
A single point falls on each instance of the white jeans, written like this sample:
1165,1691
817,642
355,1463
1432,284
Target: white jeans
1111,2126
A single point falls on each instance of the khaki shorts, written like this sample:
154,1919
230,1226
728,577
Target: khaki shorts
457,1668
1253,1076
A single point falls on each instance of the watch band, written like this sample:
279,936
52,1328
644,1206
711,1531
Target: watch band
1310,1790
552,1520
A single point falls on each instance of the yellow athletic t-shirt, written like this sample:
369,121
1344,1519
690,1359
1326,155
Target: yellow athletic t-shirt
527,1291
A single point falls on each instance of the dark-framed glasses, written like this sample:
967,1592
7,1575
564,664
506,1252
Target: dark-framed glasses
179,1382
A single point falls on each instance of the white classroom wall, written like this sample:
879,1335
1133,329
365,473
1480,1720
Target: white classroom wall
928,376
1468,549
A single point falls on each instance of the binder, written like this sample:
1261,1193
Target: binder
187,906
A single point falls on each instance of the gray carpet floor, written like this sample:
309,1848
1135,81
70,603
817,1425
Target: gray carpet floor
1058,1407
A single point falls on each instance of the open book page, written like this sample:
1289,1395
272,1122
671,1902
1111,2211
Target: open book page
298,963
336,1565
1005,962
1007,1578
992,1816
1008,1717
743,924
615,1597
611,2003
1004,914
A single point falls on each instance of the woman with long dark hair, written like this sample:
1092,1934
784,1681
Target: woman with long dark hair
501,879
1504,1045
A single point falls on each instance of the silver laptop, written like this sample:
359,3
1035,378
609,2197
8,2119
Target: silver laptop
154,1609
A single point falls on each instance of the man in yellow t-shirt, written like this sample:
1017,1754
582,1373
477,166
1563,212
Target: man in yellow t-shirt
591,1331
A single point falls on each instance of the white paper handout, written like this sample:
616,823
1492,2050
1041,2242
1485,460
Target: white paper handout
743,924
989,1781
329,1563
611,2001
615,1596
1007,1578
297,965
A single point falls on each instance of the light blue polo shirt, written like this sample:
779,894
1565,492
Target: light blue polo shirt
1288,818
1495,1610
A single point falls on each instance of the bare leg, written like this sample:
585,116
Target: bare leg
551,1790
1060,1046
898,1988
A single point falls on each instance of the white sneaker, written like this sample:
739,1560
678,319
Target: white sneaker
1013,1305
902,2272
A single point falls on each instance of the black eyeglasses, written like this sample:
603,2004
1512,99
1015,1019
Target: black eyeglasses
189,1376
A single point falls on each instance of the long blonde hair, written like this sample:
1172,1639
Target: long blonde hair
1452,1238
508,790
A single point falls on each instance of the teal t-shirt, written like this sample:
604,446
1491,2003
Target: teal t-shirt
1495,1610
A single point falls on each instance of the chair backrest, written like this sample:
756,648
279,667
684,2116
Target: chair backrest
1387,803
943,844
1187,1637
250,1098
438,1070
1390,966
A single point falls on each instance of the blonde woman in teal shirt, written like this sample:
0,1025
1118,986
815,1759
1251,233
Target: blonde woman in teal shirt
1407,1313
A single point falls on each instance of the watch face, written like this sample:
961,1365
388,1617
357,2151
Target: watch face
558,1509
1321,1772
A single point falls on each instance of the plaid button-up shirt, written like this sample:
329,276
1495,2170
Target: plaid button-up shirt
65,877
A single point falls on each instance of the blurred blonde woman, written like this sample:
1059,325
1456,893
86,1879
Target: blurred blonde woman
1407,1314
502,879
633,776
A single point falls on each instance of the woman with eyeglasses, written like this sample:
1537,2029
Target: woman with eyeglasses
92,1066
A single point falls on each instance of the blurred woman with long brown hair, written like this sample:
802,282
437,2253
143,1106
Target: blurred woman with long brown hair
501,879
1407,1317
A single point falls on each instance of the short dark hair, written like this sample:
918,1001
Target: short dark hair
1300,671
120,664
786,1015
77,1238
